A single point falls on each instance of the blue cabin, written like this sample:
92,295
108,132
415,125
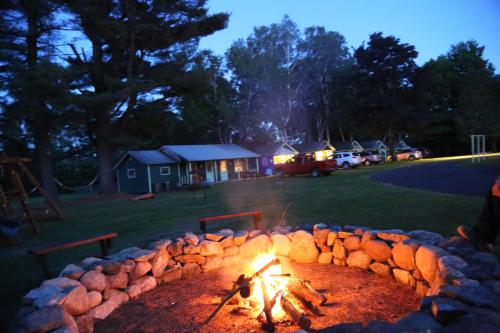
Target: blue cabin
146,171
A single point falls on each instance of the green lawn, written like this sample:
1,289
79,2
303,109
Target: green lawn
346,197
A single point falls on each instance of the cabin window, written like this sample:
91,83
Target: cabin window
165,171
238,166
130,173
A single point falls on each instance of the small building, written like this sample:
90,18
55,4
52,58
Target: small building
146,171
273,154
375,145
352,146
213,162
320,150
400,145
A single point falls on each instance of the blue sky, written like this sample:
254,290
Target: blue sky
431,25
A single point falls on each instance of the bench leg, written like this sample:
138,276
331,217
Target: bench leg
203,227
257,221
104,247
41,261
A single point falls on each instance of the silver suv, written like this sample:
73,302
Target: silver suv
370,157
347,159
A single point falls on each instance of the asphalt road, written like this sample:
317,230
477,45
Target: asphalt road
452,177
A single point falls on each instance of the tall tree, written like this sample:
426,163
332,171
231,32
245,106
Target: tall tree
263,71
323,57
386,71
32,81
138,48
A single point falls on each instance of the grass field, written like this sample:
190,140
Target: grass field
346,197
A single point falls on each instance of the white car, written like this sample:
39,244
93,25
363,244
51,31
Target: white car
347,159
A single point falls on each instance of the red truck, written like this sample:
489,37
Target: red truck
305,164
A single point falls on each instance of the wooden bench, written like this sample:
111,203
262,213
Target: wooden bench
40,253
257,219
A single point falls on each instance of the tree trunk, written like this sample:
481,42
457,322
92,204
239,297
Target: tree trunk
106,177
43,152
41,122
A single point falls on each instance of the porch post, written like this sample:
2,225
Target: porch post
149,179
216,175
190,175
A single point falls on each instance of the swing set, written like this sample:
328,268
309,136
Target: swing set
13,170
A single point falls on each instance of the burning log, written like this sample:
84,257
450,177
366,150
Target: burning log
304,290
269,326
242,286
297,315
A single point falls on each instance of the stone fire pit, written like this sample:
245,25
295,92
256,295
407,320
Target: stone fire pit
445,284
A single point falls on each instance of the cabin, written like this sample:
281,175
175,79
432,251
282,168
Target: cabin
146,171
212,163
400,145
352,146
320,150
375,145
273,154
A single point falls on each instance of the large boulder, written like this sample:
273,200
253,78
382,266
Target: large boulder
72,271
160,244
426,260
359,259
191,249
352,243
404,254
190,269
426,237
240,237
403,276
175,248
227,241
254,246
330,239
339,249
141,269
117,296
303,247
281,244
325,258
47,319
103,310
378,250
95,298
380,269
393,235
210,248
191,258
141,285
213,263
231,251
76,301
159,262
60,282
118,281
171,274
191,239
94,280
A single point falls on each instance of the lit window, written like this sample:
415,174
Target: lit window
130,173
238,166
165,171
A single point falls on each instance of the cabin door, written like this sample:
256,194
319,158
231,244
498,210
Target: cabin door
209,172
223,171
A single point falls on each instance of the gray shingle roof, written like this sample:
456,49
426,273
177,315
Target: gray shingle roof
148,157
370,144
305,148
271,148
207,152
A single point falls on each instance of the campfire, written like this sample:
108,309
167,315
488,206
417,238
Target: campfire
272,296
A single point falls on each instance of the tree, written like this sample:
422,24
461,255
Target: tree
323,57
264,76
385,78
206,101
33,83
138,49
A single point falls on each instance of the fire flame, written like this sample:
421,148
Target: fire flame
272,283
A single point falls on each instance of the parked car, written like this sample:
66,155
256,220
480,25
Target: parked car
347,159
426,153
370,157
409,154
306,164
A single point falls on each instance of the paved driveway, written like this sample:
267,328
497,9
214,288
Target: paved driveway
449,177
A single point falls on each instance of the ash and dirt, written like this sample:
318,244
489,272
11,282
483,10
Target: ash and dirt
353,295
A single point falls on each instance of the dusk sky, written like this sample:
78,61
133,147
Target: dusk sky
431,25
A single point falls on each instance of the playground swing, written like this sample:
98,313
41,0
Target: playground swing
15,167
